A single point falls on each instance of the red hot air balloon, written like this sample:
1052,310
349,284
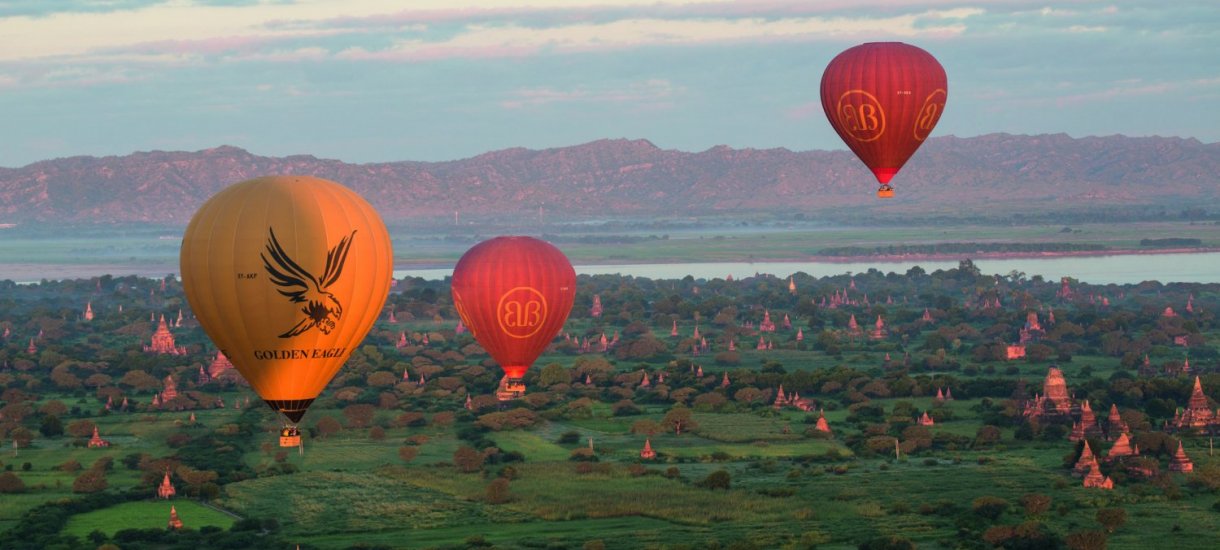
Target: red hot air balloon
883,99
514,294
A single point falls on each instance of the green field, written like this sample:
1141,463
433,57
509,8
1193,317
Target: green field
147,515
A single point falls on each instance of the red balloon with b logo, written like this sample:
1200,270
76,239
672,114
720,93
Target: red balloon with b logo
514,294
883,99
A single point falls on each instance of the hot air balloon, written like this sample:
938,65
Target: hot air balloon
883,99
286,274
514,294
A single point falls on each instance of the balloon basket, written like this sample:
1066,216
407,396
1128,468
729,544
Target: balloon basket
290,436
886,192
512,388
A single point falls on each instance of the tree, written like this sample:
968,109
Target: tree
51,426
327,426
892,542
1111,518
720,479
359,415
989,507
381,379
10,483
408,453
468,459
678,419
1086,540
552,374
987,435
497,491
22,437
1035,504
139,380
646,426
90,481
508,420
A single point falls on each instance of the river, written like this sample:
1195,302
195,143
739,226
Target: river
1123,269
1119,269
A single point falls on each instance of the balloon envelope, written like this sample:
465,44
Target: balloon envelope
883,99
286,274
514,294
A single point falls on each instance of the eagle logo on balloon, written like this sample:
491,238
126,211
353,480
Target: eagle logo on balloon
320,307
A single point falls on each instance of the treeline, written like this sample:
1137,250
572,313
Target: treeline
958,248
1171,242
602,239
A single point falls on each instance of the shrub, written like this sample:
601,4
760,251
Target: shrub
497,491
720,479
1111,518
569,438
1086,540
989,507
91,481
10,483
467,459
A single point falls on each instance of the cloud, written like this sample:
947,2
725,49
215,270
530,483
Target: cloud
1087,28
655,92
516,40
434,29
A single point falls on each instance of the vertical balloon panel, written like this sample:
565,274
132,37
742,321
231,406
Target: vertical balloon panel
287,275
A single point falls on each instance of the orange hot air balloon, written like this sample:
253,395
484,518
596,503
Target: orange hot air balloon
286,274
883,99
514,294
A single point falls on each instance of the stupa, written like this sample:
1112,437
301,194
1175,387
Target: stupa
596,310
170,391
1115,425
767,324
1197,413
166,489
879,331
163,341
1180,462
220,365
647,453
822,425
1096,481
174,522
1122,448
1054,400
96,441
853,328
1087,461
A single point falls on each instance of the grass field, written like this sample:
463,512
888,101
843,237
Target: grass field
146,515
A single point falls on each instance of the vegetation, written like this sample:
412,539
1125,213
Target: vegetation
389,461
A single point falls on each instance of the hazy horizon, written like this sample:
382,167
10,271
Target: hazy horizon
376,81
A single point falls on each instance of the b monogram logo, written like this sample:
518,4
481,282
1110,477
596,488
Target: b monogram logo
861,115
521,311
929,113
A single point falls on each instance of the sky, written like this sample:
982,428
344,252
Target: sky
381,80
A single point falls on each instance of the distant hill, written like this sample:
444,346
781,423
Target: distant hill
634,177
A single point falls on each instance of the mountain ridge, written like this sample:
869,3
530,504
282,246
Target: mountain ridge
635,177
